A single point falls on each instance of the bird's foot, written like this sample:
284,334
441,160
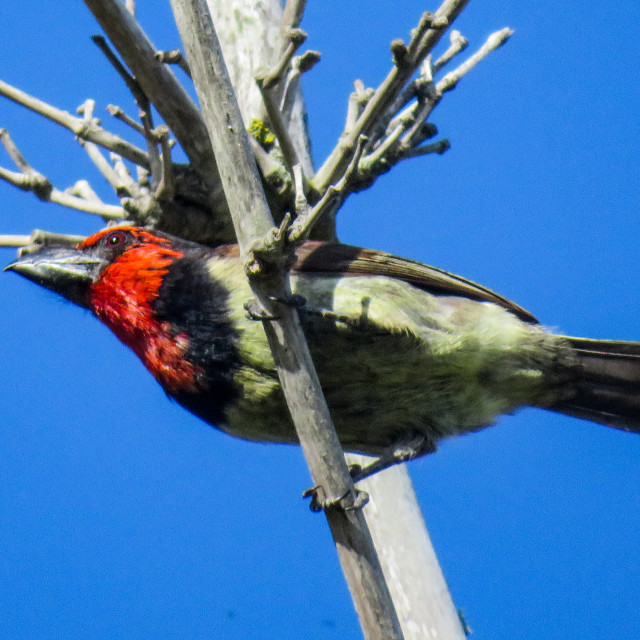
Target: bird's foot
348,502
413,446
256,312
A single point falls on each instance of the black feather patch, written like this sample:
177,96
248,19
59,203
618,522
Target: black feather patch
196,305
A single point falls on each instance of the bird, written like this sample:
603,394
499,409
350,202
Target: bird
407,354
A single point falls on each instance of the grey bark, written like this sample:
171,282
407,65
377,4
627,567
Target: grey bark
251,35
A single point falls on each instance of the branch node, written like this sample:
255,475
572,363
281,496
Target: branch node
174,56
399,51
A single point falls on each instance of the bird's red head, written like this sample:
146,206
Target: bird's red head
135,263
118,274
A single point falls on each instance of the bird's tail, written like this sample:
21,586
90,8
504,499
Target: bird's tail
608,386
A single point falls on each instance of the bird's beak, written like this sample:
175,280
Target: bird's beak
68,272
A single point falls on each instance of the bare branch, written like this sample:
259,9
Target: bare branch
398,135
357,102
300,384
118,113
121,70
458,43
437,147
104,167
289,152
174,56
170,98
425,37
37,239
28,179
82,189
90,131
494,41
165,188
295,39
127,184
333,196
14,241
299,65
141,100
44,190
273,171
383,150
292,15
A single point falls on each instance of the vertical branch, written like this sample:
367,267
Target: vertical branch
252,221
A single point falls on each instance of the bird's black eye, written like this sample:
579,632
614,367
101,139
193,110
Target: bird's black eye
115,239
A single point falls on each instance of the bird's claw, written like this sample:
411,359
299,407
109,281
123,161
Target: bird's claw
255,311
350,501
294,300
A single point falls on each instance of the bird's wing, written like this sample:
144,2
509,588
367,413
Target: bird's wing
335,258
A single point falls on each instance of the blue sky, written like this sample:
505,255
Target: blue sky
122,516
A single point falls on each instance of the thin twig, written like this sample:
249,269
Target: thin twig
79,126
494,41
295,39
381,151
436,147
426,36
141,100
303,225
165,188
458,43
44,190
28,179
14,241
82,189
118,113
292,15
174,56
358,100
301,204
127,183
37,239
103,166
121,70
299,65
289,152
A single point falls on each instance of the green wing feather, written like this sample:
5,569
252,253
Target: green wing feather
331,258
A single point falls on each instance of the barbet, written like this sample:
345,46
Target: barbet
404,351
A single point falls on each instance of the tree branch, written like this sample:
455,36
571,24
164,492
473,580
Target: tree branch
85,130
494,41
28,179
426,36
175,106
253,221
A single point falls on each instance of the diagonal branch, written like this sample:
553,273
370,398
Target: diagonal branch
160,84
429,32
28,179
253,222
86,130
494,41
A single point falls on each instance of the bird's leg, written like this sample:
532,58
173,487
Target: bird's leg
348,502
412,446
